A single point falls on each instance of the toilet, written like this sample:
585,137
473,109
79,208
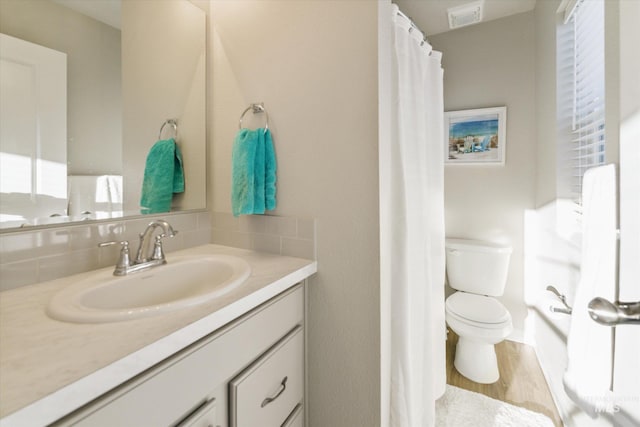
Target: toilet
478,272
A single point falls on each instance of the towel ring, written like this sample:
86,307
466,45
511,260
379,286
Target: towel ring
174,124
256,108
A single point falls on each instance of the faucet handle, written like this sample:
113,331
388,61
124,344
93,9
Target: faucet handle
124,261
113,242
158,252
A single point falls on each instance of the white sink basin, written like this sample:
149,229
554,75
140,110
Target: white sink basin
184,281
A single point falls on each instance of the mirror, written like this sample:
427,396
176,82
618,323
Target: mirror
122,78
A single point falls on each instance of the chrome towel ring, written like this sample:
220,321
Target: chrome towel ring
174,124
256,108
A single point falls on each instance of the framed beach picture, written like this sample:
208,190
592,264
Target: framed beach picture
475,136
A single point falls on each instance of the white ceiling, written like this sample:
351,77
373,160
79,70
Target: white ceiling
107,11
431,15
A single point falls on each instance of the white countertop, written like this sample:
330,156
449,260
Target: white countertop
50,368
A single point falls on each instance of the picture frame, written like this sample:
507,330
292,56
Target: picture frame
475,137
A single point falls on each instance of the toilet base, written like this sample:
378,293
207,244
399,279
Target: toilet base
477,361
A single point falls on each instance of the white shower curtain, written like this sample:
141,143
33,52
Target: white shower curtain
412,227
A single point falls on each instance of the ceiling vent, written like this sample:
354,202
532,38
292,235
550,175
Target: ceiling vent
466,14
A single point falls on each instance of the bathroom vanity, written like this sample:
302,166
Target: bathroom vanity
237,360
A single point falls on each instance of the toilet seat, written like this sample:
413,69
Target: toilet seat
477,310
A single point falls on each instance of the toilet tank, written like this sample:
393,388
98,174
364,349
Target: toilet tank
476,266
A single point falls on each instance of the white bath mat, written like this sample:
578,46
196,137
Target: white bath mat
462,408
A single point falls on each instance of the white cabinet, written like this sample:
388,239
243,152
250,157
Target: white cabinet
267,391
296,419
204,416
192,387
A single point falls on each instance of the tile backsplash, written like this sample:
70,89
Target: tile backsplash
28,257
32,256
280,235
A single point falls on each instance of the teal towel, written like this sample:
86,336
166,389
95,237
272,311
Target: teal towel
163,176
253,180
270,172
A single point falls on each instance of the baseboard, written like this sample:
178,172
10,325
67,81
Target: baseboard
518,335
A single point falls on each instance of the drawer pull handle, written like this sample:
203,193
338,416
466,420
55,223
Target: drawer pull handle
283,386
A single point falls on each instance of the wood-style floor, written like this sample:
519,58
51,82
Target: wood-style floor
521,380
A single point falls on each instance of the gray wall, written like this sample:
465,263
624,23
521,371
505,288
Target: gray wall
488,65
314,65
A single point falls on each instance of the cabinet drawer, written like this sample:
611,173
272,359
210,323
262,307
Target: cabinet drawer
296,419
205,416
269,389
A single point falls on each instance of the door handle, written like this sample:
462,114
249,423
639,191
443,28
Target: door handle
616,313
281,389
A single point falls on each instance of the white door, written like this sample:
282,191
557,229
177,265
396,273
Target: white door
627,348
33,130
627,337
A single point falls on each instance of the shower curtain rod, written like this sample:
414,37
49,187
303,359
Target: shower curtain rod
414,26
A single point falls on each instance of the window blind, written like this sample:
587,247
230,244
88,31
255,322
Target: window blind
582,95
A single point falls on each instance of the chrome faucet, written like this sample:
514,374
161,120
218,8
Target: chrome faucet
145,256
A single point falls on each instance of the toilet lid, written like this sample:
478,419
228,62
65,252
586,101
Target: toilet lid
477,308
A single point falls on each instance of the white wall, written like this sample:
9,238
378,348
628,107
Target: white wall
314,65
490,65
545,57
